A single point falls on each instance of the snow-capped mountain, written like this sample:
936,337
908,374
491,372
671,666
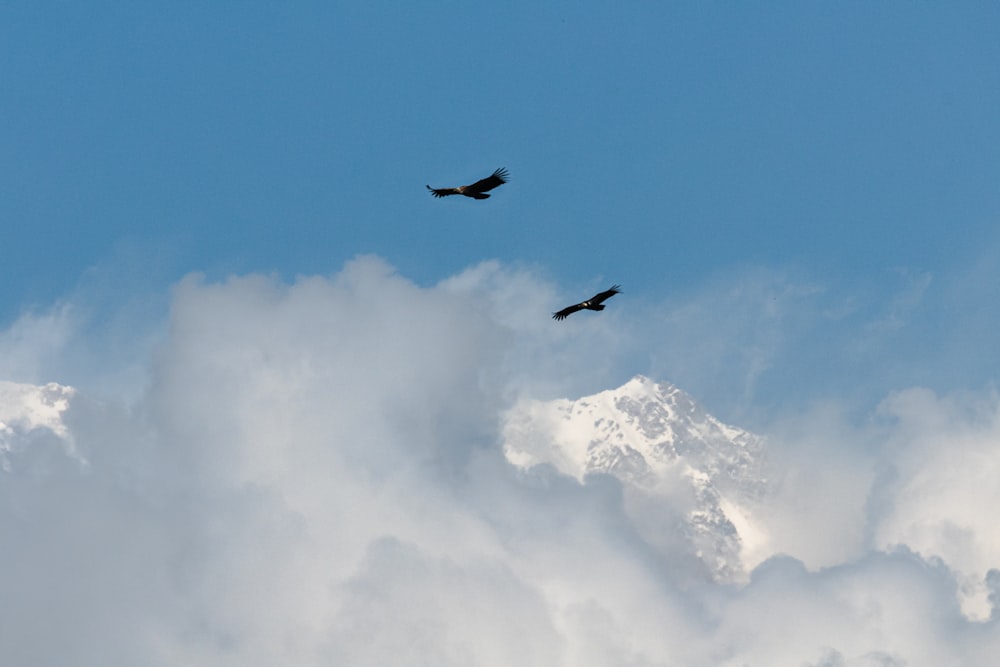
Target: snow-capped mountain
685,474
31,411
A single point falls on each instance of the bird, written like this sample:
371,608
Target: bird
593,303
477,190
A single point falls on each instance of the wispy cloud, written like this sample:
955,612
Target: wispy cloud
30,344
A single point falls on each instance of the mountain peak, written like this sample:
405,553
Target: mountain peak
640,384
658,441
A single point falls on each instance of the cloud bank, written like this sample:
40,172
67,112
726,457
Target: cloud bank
313,475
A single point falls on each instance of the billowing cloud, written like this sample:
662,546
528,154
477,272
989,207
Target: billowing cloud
314,475
942,472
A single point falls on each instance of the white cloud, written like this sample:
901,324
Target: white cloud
891,609
30,345
27,409
313,476
821,470
945,467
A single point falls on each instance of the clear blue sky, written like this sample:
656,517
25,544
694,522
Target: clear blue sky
658,145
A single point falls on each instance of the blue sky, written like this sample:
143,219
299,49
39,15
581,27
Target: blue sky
668,147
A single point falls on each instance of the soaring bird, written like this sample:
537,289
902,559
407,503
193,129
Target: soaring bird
477,190
593,303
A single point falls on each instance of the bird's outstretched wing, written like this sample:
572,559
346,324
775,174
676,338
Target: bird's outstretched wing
443,192
496,179
605,295
566,312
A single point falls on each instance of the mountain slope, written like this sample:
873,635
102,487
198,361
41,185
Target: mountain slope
686,476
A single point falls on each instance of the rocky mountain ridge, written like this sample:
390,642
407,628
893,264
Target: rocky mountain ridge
685,474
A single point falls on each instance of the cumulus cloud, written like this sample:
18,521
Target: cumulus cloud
313,475
945,466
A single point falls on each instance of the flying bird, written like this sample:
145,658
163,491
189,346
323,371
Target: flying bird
593,303
477,190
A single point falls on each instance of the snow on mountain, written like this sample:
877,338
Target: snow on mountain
686,476
29,411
